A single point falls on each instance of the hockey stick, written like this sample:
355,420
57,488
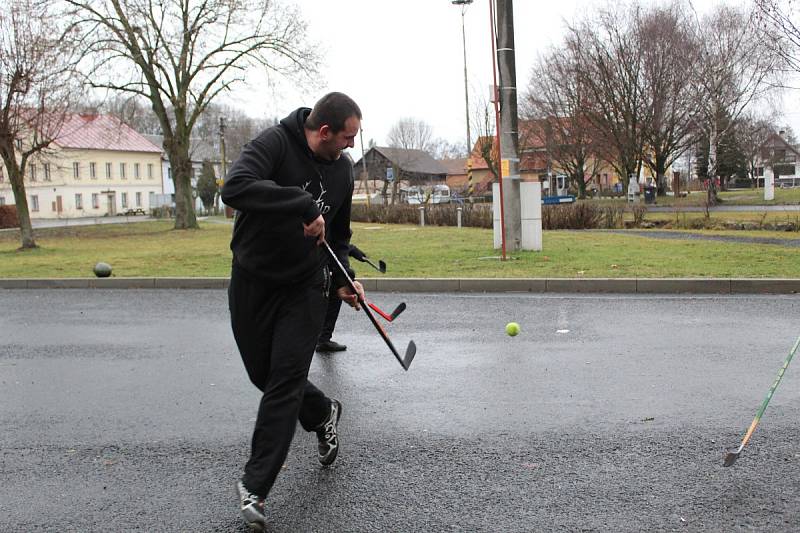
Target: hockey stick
399,309
381,265
411,350
732,454
356,253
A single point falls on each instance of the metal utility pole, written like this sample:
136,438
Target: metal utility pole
464,4
364,165
222,145
509,135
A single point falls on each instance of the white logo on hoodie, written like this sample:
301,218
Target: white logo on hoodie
321,205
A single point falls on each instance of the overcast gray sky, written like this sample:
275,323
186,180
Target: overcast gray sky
403,58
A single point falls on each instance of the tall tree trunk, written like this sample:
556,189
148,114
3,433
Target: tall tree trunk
712,164
580,179
181,164
661,175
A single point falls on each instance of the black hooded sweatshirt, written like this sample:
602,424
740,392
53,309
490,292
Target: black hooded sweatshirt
276,185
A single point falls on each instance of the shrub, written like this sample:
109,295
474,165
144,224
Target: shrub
8,216
472,215
611,216
581,215
638,214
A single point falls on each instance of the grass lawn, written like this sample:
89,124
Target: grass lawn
155,249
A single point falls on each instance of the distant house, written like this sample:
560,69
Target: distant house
98,166
457,178
782,157
415,167
536,160
199,151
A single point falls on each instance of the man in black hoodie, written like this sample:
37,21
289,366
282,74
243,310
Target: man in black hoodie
291,191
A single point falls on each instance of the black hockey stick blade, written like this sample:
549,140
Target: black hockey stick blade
400,308
731,454
411,350
381,265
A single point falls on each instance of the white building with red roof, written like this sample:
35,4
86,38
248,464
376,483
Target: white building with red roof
98,166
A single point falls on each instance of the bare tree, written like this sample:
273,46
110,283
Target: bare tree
735,69
443,149
239,128
181,54
557,101
408,134
411,134
132,110
753,131
38,86
669,51
610,67
779,23
486,146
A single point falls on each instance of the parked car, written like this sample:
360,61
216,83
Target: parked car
440,194
132,212
415,195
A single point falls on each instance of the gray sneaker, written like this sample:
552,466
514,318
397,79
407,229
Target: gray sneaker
326,435
252,507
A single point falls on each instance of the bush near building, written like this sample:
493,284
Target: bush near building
8,217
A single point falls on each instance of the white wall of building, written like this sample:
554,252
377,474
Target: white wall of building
73,183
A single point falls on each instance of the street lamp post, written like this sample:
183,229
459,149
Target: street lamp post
464,4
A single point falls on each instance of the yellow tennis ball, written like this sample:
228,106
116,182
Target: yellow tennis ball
512,329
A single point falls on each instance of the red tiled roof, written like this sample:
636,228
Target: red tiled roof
102,132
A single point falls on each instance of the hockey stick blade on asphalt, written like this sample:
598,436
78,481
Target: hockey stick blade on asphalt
411,349
389,317
731,454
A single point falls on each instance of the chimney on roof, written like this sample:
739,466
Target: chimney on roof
782,133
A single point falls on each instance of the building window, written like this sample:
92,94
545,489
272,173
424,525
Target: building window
34,203
149,171
79,201
32,171
138,199
124,199
169,172
93,170
76,170
95,201
19,144
2,200
108,170
136,174
122,170
47,172
2,176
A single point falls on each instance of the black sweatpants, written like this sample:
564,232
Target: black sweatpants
331,315
276,330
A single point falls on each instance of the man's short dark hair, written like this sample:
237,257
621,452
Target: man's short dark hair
332,109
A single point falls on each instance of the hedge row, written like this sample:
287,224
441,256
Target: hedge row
565,216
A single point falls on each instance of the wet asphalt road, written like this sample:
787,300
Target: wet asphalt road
130,411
